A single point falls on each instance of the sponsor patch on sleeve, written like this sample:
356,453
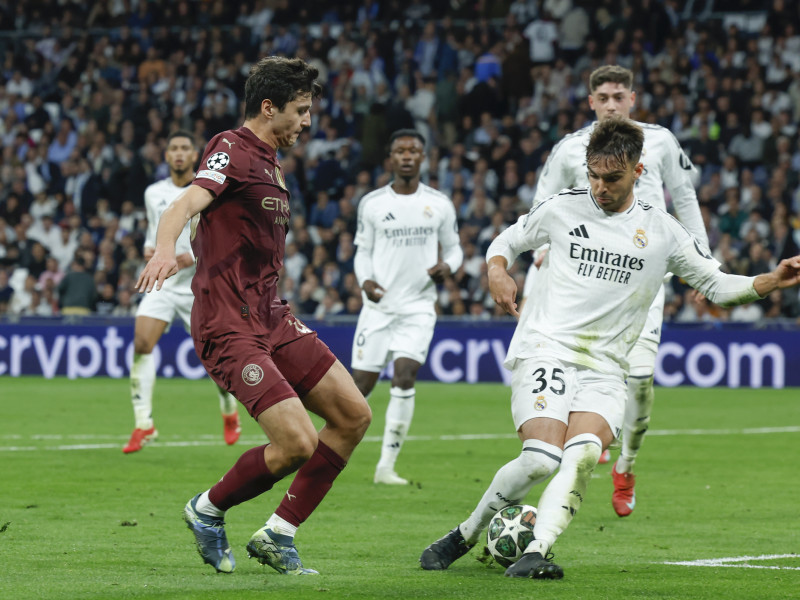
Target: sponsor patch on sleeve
212,175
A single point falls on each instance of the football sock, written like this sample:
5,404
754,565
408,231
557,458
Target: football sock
205,506
227,403
562,497
637,420
311,483
511,484
280,526
398,419
248,478
143,377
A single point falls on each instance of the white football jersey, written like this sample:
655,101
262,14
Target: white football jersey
665,164
401,235
605,270
157,197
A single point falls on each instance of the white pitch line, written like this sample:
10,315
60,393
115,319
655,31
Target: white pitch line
739,562
113,441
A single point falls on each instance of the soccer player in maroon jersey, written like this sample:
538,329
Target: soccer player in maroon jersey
246,337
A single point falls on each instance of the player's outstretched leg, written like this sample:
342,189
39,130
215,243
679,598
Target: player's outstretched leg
441,553
535,566
277,551
209,535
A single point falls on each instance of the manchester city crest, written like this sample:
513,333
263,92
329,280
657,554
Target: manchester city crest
252,374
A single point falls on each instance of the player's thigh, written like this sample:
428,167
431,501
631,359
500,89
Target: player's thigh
603,395
371,340
336,399
153,318
243,365
411,336
542,389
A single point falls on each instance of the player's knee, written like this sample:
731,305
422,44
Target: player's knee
359,422
142,345
581,453
365,382
298,451
404,381
539,459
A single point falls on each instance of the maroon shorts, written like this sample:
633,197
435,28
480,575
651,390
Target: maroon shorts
259,375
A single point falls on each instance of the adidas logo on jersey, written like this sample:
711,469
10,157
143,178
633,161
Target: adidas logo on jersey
580,232
389,217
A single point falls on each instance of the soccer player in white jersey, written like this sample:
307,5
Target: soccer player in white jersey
665,164
568,353
157,309
397,264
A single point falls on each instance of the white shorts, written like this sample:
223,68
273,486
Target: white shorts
381,338
549,387
165,305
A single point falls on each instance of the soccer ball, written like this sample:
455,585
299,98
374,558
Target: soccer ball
510,531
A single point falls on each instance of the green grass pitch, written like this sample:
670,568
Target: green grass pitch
717,479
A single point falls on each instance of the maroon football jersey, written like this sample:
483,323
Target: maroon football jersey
240,238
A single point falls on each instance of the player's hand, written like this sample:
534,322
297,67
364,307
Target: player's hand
538,257
788,272
439,272
373,290
185,260
503,289
156,271
697,298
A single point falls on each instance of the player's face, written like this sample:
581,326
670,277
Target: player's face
612,184
180,155
287,124
406,155
611,99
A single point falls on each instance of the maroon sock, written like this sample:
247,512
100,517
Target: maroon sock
248,478
312,482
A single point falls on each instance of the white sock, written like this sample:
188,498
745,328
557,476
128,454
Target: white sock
511,484
637,420
204,506
562,497
398,420
227,403
281,526
143,377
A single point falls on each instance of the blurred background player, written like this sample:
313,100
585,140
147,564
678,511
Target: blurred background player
568,397
665,164
400,228
157,310
246,336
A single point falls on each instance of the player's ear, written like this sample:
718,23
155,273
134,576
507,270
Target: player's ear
267,108
633,99
638,170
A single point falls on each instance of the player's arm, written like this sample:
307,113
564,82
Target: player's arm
164,264
452,254
693,262
677,169
362,261
152,226
525,234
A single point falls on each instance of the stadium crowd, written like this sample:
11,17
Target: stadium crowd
91,90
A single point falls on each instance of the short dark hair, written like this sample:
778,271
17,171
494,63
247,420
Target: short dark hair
279,79
181,133
617,139
406,133
610,73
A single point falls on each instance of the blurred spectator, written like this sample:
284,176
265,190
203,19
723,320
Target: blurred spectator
77,292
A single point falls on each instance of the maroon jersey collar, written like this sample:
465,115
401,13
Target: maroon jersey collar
246,133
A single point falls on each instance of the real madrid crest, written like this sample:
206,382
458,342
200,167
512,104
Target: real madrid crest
640,239
428,212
